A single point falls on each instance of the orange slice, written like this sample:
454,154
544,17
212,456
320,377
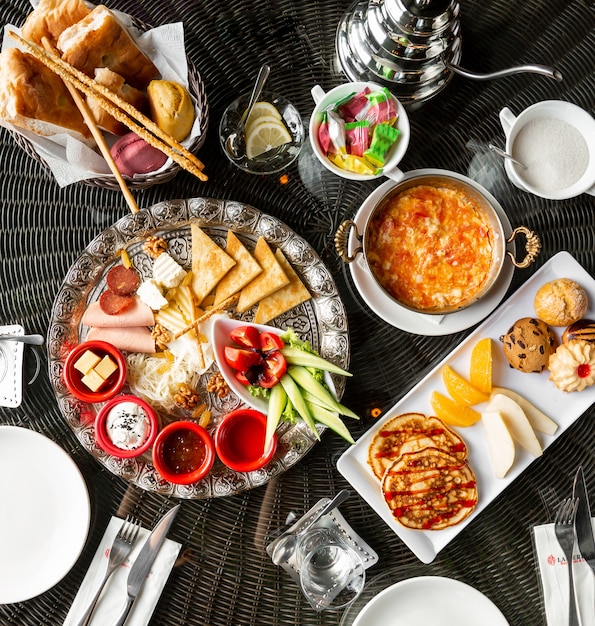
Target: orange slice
451,412
480,373
460,389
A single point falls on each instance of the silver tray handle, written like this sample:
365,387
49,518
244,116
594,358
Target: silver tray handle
342,238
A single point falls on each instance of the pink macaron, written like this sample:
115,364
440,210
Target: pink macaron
133,155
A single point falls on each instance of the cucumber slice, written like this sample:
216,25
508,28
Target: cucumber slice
295,356
330,419
304,379
277,401
295,395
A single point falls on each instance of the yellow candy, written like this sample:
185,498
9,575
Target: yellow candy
352,163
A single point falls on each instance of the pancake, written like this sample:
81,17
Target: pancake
411,432
430,490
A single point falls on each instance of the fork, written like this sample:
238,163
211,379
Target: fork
121,548
564,528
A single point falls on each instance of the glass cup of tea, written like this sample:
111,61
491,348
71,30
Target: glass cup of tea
332,575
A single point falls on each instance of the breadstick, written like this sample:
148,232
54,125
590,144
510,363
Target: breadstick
125,114
98,136
205,316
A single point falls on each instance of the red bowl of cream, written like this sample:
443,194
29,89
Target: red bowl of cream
126,426
239,440
183,452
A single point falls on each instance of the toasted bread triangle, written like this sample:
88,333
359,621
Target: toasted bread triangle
245,269
268,281
209,263
284,298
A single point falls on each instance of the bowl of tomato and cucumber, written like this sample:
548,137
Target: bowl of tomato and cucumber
273,371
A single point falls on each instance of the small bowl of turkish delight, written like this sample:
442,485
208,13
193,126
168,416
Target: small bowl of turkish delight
126,426
94,371
359,130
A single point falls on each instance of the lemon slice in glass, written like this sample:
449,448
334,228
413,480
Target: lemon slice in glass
252,121
265,136
263,108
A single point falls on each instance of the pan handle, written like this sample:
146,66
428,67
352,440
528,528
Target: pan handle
532,246
342,239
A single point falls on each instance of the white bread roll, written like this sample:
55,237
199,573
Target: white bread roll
99,40
34,98
51,17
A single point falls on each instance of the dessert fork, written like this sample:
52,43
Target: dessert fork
564,528
121,548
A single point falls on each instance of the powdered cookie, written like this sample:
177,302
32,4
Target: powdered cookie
561,302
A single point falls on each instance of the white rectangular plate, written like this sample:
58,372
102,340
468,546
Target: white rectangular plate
563,408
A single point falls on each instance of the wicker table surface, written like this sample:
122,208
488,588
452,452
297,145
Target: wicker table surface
225,576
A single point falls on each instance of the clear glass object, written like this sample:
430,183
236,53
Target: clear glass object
332,575
274,160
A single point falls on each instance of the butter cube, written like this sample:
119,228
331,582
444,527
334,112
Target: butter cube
87,362
93,380
106,367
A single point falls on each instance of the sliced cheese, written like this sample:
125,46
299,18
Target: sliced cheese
516,422
500,443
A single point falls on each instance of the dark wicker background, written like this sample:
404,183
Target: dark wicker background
225,577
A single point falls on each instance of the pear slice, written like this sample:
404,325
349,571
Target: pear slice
516,422
500,443
538,420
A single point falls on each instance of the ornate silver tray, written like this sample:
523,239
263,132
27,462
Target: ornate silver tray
322,320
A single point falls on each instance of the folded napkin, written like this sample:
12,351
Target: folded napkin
112,600
553,569
11,367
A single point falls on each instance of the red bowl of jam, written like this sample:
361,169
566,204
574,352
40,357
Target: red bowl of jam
126,426
183,452
239,440
94,371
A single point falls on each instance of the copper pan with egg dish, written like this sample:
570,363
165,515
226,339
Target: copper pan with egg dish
434,242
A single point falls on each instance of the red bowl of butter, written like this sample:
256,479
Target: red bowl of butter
183,452
239,440
95,371
126,426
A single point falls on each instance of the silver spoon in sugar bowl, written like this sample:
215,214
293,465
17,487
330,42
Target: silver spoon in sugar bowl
235,144
505,155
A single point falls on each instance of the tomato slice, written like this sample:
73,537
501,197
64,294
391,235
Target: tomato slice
242,378
274,367
241,359
246,337
270,341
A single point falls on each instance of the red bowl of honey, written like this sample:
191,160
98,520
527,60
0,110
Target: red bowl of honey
239,440
95,371
183,452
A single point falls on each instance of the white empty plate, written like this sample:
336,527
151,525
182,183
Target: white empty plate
430,600
45,514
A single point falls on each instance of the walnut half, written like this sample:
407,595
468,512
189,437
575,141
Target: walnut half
154,246
186,398
216,384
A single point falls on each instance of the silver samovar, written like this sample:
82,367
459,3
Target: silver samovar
411,46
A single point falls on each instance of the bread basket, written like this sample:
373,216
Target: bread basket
197,90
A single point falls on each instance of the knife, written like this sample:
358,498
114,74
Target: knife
146,558
583,525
